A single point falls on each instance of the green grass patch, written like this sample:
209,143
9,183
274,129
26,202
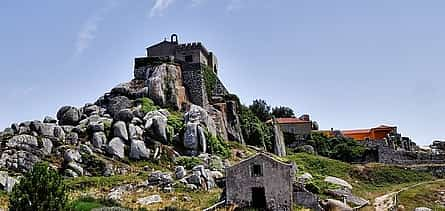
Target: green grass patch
423,196
317,165
88,203
81,183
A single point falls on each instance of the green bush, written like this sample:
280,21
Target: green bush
216,145
339,148
40,189
147,104
176,120
188,162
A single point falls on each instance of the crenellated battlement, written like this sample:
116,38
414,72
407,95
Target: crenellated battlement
191,53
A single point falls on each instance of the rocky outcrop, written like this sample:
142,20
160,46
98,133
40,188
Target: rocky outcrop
194,139
163,83
68,115
118,126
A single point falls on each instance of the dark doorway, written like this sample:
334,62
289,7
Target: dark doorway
258,198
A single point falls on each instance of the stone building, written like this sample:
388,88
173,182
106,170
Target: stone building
260,182
190,53
194,60
301,126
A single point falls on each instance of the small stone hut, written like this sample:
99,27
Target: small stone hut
260,182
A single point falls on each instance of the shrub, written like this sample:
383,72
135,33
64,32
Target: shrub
188,162
216,145
40,189
176,120
339,148
147,104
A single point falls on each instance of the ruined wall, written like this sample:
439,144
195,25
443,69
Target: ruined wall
386,153
277,181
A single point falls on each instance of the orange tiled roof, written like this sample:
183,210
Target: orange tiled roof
345,132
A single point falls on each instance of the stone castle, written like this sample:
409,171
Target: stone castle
194,59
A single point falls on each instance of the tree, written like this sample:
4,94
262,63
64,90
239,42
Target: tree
282,111
40,189
260,109
255,132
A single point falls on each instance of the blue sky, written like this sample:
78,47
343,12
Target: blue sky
348,63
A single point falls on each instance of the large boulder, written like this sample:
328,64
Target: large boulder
23,142
149,200
338,181
160,178
120,130
163,83
116,104
21,161
7,182
156,123
49,119
197,114
194,139
68,115
180,172
334,205
138,150
99,139
47,146
125,115
133,89
135,132
72,155
116,147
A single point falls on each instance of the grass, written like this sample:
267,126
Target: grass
81,183
423,196
368,181
87,203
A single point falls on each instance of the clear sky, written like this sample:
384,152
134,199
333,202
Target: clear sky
347,63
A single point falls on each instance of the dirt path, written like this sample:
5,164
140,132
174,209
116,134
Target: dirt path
387,201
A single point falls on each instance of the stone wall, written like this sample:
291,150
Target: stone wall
220,90
307,200
193,80
386,153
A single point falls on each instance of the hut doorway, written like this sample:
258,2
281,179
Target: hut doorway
258,198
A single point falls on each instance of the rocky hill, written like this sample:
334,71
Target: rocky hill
163,139
149,119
